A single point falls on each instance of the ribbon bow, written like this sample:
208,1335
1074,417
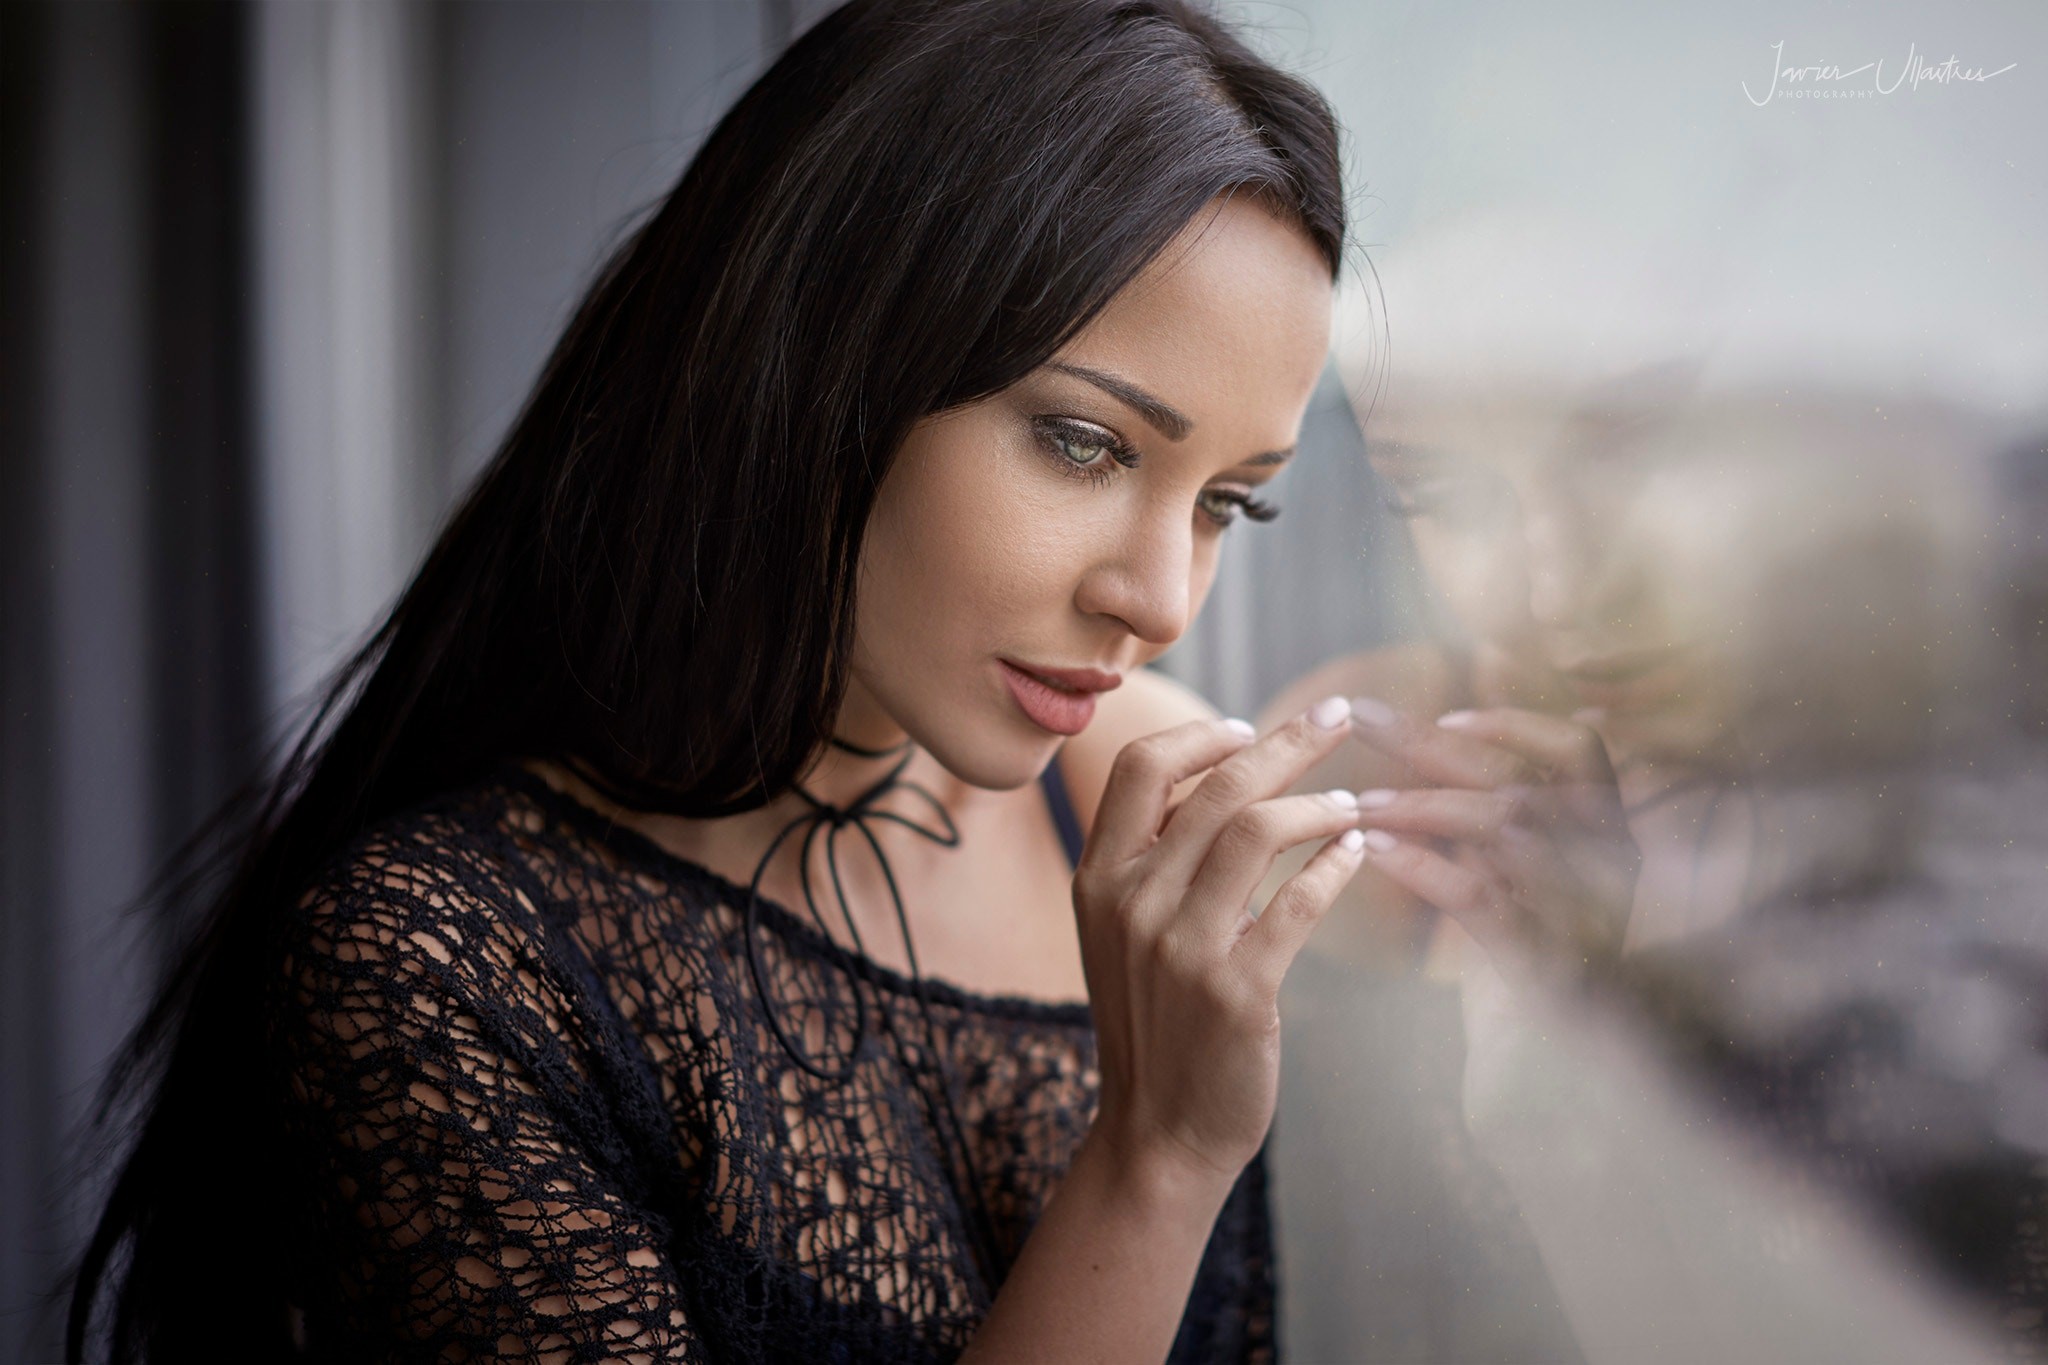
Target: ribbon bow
832,821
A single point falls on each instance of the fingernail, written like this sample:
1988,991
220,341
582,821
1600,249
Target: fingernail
1371,711
1351,840
1341,799
1328,713
1377,797
1455,720
1378,840
1590,715
1243,729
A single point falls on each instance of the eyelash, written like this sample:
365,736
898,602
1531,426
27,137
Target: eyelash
1407,506
1452,503
1053,431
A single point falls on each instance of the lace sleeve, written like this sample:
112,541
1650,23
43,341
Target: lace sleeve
432,1080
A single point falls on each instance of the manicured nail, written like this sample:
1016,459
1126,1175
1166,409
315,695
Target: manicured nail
1351,840
1455,720
1328,713
1341,799
1243,729
1378,840
1377,797
1371,711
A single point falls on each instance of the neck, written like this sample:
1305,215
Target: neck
870,746
836,777
874,743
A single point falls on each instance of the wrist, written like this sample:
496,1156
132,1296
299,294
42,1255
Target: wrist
1154,1178
1106,1273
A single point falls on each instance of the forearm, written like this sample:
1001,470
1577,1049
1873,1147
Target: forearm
1106,1273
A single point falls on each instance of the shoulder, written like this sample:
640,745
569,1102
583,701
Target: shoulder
418,922
1148,702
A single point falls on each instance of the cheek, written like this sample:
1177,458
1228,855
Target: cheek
1484,584
968,553
1013,550
1697,560
1202,571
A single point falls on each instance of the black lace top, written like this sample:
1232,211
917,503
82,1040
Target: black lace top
539,1113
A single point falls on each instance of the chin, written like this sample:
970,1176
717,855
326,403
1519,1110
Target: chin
995,754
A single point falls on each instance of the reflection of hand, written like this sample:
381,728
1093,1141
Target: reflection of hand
1521,839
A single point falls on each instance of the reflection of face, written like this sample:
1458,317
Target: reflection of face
1730,580
1547,528
1060,524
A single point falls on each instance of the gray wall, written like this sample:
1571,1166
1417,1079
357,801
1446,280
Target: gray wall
276,276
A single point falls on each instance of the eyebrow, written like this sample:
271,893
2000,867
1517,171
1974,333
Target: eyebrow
1166,419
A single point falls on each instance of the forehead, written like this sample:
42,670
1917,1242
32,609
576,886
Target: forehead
1528,427
1509,432
1237,307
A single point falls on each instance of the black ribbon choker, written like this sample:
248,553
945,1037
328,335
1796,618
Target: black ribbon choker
831,821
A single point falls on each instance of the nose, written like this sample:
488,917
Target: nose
1144,575
1561,562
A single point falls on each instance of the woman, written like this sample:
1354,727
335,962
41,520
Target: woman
905,429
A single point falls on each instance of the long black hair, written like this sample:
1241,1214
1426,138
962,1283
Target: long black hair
652,580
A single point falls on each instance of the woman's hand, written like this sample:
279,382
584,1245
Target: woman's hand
1183,979
1522,838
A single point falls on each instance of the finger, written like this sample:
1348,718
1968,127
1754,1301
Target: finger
1260,770
1564,749
1443,812
1438,754
1269,944
1463,893
1580,900
1573,775
1475,816
1532,873
1142,779
1244,850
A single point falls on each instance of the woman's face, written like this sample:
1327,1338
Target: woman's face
1072,522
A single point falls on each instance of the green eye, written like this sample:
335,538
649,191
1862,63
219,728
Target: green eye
1080,452
1077,447
1225,505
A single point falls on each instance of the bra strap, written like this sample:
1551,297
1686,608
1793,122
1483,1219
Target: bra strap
1062,810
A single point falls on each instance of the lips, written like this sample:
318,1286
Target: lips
1061,700
1622,680
1072,679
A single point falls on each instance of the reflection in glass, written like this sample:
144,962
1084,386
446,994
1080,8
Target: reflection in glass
1800,1110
